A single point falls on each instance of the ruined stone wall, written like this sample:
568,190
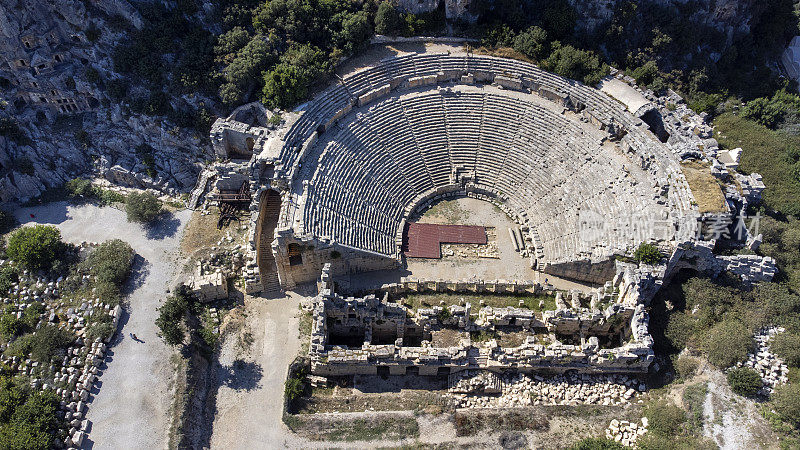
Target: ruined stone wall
315,254
625,317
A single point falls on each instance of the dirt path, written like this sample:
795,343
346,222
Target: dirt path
250,398
734,422
130,410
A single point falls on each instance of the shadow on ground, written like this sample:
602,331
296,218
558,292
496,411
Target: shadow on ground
241,375
165,226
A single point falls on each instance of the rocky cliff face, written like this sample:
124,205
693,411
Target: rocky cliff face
728,16
56,120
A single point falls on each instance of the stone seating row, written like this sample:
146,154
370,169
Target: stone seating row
547,165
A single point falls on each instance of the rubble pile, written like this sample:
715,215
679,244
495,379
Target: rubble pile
625,432
772,369
526,390
71,376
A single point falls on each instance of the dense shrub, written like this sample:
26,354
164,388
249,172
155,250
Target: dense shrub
8,276
786,401
745,381
727,343
287,84
772,154
648,254
293,388
142,207
79,187
686,366
664,418
787,347
110,261
36,247
10,326
171,315
532,43
771,112
42,345
570,62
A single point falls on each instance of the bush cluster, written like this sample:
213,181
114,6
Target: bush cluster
42,345
745,381
648,254
36,247
171,320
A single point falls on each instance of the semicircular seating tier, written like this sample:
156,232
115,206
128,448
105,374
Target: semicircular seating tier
360,167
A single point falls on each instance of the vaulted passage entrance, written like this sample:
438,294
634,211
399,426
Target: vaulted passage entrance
267,221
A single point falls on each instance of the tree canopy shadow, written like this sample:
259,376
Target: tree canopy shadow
241,375
164,226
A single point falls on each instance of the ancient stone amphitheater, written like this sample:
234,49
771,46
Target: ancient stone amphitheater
582,177
585,178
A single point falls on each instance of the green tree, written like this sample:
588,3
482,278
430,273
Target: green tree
142,207
355,31
287,84
570,62
170,321
36,247
387,19
246,67
648,254
230,42
745,381
532,43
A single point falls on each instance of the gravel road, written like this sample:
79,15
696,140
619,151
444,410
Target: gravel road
130,410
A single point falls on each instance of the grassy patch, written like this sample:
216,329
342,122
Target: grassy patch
342,430
705,187
448,210
305,331
770,153
496,301
470,423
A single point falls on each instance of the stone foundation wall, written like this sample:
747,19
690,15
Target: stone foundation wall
316,254
624,317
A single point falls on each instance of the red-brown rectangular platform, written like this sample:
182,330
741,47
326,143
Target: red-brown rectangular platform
423,239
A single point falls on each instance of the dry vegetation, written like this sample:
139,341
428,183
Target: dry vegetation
502,52
342,429
496,301
202,233
705,187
